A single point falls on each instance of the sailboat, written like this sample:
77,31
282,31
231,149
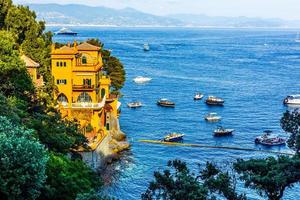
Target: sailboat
297,38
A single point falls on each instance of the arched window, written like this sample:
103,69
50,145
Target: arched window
84,60
62,99
84,97
102,93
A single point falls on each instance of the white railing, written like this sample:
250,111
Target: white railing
90,105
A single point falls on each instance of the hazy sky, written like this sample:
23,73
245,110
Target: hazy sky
287,9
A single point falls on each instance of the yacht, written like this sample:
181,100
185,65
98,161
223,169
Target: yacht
214,101
135,104
65,31
212,117
173,137
270,139
221,131
198,96
146,47
165,103
292,100
141,79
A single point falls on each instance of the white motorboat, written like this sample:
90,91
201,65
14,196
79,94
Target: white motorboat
198,96
221,131
141,79
173,137
65,31
146,47
214,101
212,117
292,100
135,104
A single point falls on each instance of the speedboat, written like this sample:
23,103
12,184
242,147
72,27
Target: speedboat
141,79
65,31
292,100
214,101
198,96
270,139
173,137
221,131
212,117
165,103
146,47
136,104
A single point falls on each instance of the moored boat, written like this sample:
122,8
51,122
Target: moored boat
173,137
146,47
65,31
136,104
212,117
292,100
198,96
270,139
214,101
165,103
221,131
141,79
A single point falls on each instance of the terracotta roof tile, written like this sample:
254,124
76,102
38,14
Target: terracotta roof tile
29,62
88,47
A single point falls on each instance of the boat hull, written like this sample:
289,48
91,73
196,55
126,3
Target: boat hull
213,103
225,133
66,34
166,105
177,139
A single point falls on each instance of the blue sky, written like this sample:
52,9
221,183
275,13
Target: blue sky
286,9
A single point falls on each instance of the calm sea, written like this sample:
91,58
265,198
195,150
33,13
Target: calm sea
253,70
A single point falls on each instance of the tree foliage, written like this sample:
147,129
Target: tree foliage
67,178
178,183
270,176
22,162
290,122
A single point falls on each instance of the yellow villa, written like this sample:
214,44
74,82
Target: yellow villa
83,89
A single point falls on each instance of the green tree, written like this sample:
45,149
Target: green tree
270,176
92,195
220,182
67,178
4,6
22,162
175,183
290,122
14,78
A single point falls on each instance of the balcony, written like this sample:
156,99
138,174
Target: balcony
87,105
83,87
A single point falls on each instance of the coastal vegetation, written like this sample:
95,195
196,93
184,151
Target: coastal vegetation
38,146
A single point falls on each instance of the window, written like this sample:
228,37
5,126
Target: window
61,82
57,64
84,60
84,97
65,64
102,93
62,98
87,82
61,64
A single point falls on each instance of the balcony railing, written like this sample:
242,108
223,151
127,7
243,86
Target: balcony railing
86,105
83,87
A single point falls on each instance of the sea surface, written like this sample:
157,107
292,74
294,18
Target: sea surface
252,69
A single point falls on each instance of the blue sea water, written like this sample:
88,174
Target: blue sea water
252,69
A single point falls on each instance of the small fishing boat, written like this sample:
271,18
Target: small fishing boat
214,101
165,103
270,139
221,131
65,31
198,96
136,104
146,47
292,100
141,79
173,137
212,117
